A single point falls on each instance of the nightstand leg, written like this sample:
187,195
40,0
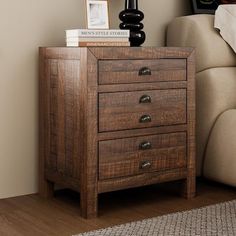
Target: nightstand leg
88,203
46,188
189,187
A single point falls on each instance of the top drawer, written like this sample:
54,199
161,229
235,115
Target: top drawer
141,71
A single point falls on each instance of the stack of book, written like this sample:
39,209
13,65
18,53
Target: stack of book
97,38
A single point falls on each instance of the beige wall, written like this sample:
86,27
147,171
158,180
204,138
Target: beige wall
25,25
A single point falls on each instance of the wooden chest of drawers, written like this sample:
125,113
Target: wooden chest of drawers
116,118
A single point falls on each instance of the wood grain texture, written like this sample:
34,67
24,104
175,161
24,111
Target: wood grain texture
189,190
141,86
141,180
139,53
135,65
89,159
128,71
138,132
89,131
59,121
45,187
124,157
120,111
63,116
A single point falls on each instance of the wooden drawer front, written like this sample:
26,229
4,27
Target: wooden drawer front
141,71
133,156
127,110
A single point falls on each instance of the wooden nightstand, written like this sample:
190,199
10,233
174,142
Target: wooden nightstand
116,118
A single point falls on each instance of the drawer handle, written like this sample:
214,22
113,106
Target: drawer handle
145,119
145,165
145,146
145,99
145,71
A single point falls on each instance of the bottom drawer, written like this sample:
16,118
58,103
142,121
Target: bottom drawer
133,156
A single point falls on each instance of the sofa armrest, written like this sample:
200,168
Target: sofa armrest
216,93
220,164
198,31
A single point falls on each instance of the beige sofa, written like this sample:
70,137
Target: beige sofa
216,95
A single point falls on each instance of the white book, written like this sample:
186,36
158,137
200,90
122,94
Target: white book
86,33
73,39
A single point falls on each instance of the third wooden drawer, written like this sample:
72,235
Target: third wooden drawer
133,156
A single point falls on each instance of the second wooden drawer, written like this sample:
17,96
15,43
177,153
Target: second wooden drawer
141,109
132,156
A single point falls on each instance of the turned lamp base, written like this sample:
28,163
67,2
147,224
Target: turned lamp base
131,19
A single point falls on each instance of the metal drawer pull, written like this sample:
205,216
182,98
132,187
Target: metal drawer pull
145,71
145,99
145,146
145,165
145,119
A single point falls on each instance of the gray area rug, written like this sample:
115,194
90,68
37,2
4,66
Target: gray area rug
215,220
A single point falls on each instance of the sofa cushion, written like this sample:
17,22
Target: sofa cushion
220,161
198,31
216,93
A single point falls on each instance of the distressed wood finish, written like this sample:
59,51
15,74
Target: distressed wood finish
125,157
139,132
141,53
141,86
128,71
142,180
90,110
189,189
62,125
45,186
60,121
121,111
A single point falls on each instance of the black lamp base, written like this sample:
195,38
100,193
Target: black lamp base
131,20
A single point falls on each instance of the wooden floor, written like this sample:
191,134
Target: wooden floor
32,215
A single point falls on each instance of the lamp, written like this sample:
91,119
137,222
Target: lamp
131,19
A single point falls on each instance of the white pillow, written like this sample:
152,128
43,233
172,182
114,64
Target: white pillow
225,21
